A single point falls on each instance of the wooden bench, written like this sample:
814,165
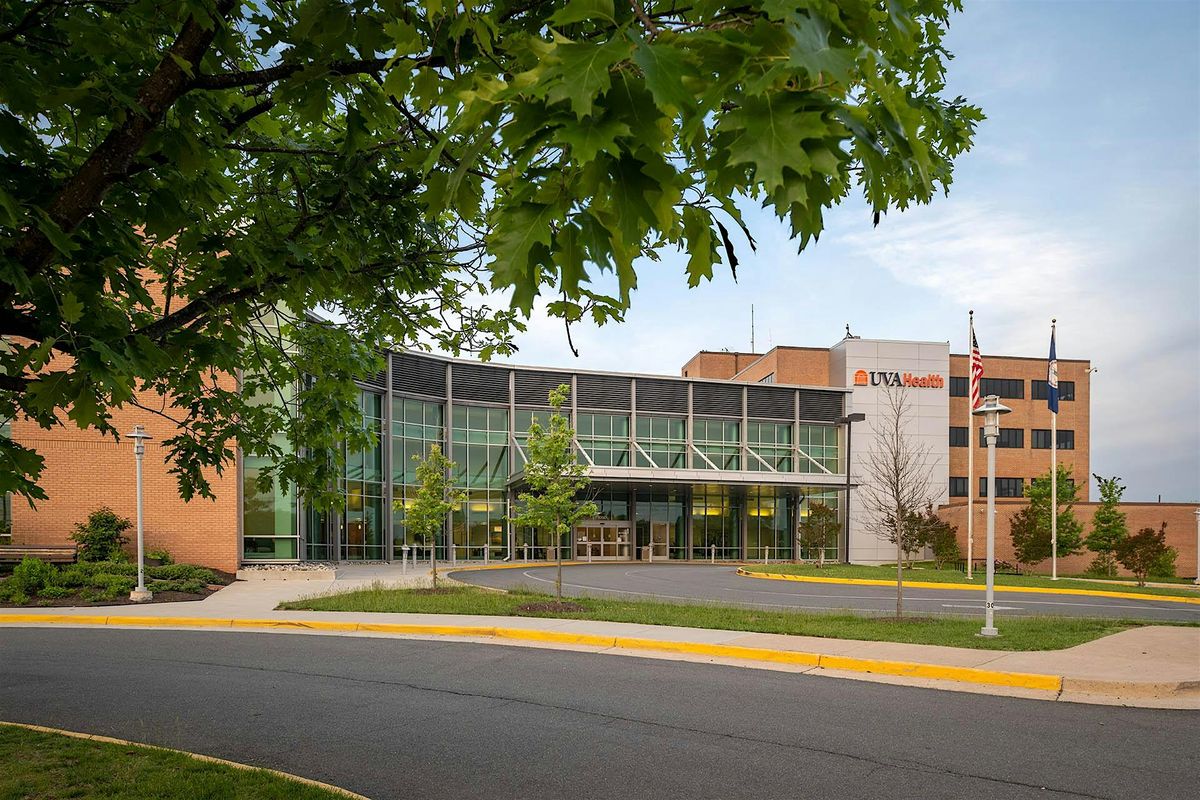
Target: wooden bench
55,554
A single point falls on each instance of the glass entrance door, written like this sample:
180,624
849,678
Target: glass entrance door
603,540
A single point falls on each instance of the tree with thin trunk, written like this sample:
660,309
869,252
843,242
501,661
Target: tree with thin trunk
897,472
819,530
555,480
1108,527
435,499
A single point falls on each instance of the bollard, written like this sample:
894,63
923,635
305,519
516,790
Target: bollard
767,560
712,553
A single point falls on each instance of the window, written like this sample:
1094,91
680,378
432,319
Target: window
665,441
767,378
1008,437
818,448
772,442
958,487
959,437
1040,439
719,441
605,438
716,515
1005,487
1014,389
959,387
1066,390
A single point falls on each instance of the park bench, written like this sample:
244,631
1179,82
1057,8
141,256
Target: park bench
55,554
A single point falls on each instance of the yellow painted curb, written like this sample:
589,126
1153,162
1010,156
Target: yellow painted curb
92,737
971,587
795,657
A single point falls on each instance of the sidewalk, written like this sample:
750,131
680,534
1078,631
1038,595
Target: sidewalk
1151,666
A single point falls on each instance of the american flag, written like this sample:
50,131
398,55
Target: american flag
976,369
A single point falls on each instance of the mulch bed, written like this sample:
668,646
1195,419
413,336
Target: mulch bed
551,607
223,578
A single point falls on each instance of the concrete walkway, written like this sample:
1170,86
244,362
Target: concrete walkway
1150,666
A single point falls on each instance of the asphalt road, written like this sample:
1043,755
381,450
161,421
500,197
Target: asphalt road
721,584
410,719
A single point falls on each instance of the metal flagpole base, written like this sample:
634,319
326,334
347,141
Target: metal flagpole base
141,595
988,632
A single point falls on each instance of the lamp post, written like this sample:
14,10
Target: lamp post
139,436
990,410
848,421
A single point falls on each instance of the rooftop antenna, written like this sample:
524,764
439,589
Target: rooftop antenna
752,350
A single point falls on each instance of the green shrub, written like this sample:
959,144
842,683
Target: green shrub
74,576
1164,565
102,536
33,574
88,594
161,555
182,572
192,587
113,585
18,598
55,592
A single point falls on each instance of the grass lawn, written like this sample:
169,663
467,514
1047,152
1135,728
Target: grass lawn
1019,633
40,765
933,575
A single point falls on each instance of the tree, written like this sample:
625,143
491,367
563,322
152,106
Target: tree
436,497
897,482
1108,527
1030,527
171,173
555,479
1141,552
938,535
819,530
102,536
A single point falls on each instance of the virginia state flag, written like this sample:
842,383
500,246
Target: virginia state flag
1052,378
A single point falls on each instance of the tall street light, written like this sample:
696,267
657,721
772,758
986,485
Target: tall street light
990,410
139,436
848,421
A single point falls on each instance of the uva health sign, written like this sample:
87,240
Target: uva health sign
930,381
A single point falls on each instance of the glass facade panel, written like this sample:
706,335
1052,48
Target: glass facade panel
605,438
417,425
818,446
720,442
362,531
269,517
479,449
716,523
808,496
768,523
660,518
772,443
664,439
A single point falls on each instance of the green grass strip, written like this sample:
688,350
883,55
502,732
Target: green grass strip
931,575
1018,633
36,765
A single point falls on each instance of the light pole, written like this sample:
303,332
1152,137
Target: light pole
140,594
1197,581
990,410
848,421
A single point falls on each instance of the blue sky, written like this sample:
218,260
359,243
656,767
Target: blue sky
1081,201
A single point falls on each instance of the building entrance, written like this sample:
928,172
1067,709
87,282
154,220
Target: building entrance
603,540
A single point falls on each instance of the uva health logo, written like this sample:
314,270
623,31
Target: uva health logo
931,381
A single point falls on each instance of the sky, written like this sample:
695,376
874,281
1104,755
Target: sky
1080,201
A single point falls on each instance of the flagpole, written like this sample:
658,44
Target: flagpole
970,446
1053,476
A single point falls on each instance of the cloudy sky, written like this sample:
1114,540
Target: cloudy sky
1081,201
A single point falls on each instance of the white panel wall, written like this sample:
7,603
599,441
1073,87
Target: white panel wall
928,422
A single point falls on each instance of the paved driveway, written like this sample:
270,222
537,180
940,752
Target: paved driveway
412,719
721,584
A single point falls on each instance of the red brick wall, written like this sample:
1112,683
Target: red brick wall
1180,519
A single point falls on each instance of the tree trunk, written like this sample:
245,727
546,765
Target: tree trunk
899,568
433,561
558,558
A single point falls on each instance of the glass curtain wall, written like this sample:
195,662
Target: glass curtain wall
768,523
664,439
771,442
809,496
604,437
660,511
719,440
716,522
479,449
820,444
417,425
363,520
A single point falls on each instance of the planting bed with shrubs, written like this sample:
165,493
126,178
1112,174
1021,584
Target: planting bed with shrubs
36,583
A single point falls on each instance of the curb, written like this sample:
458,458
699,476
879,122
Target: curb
1050,683
972,587
92,737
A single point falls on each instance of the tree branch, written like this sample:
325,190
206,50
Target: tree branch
261,77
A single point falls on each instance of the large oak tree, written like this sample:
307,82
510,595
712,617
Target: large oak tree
172,174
